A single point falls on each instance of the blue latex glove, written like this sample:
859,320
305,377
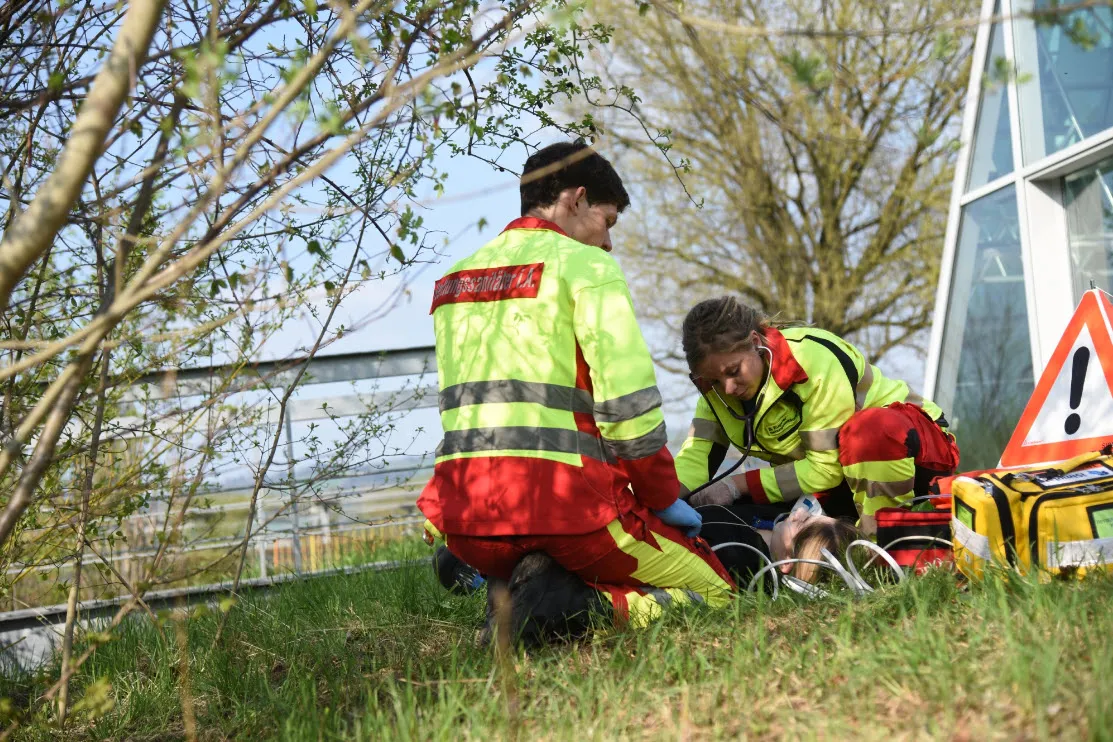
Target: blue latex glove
683,516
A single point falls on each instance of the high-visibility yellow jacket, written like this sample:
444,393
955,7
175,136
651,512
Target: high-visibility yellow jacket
548,397
817,381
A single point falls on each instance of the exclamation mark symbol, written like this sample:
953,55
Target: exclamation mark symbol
1077,379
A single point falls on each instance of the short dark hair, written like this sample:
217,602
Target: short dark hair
568,165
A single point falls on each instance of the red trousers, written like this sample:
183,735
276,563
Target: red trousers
890,453
631,558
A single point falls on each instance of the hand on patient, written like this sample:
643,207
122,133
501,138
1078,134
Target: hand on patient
723,492
681,515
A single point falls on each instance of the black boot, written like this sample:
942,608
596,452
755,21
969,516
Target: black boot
454,574
547,602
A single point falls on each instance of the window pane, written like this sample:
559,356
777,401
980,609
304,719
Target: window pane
985,369
992,153
1065,77
1089,199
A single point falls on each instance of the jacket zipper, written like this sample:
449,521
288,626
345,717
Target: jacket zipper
1008,528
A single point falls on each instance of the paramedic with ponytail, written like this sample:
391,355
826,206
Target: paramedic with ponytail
554,438
810,404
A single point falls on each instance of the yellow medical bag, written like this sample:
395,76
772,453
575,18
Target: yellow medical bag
1054,520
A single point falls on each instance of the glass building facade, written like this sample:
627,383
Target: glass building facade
1031,219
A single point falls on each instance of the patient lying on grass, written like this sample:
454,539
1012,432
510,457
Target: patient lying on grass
743,530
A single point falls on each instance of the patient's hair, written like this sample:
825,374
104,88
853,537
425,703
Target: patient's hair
820,534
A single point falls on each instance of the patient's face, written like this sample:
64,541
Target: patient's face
785,532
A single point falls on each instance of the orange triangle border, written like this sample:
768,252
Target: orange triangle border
1094,312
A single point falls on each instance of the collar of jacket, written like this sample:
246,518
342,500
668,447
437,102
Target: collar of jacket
786,370
533,222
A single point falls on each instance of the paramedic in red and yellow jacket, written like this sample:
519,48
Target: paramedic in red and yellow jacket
810,404
554,439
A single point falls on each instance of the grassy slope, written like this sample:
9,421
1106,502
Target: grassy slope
391,656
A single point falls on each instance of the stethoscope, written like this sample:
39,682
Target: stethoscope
747,418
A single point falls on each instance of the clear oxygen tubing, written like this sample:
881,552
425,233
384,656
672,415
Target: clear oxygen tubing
880,552
849,573
933,539
773,565
757,551
859,586
740,521
802,587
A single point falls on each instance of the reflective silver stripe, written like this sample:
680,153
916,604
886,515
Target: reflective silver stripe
559,440
640,447
709,430
797,454
970,540
1079,553
914,398
889,489
863,389
855,484
628,406
664,598
787,481
820,440
554,396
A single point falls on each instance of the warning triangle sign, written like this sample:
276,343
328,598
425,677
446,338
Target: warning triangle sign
1071,409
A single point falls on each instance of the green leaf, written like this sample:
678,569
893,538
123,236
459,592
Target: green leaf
946,44
97,701
397,254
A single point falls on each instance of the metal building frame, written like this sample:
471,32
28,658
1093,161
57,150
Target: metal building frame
1043,228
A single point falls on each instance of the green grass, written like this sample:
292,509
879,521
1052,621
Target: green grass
392,656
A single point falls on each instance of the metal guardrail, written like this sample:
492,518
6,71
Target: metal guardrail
322,368
342,367
30,618
262,540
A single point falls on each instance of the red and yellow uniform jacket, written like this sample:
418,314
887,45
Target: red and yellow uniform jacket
548,397
817,381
